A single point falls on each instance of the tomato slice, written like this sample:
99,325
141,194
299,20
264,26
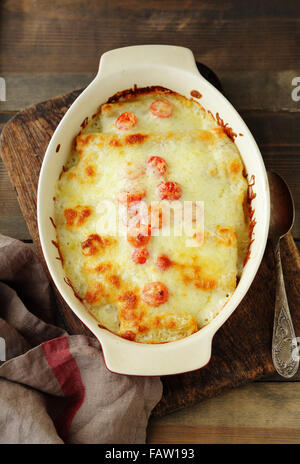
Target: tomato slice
139,237
157,165
130,197
169,191
126,121
155,293
163,262
155,216
161,108
134,214
140,255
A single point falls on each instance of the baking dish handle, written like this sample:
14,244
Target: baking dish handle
129,358
121,59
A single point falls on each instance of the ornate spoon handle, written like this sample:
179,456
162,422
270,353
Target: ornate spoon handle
284,345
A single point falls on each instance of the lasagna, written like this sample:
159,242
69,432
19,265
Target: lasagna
133,167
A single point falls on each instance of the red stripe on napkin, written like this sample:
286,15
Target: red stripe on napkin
67,372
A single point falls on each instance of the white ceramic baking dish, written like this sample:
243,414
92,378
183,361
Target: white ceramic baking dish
174,68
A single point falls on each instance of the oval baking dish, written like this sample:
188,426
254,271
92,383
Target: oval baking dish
173,68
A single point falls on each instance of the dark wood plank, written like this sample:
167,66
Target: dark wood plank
70,36
247,90
11,219
5,116
28,88
257,412
12,222
237,358
261,90
177,434
278,138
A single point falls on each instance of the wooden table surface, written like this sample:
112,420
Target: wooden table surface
50,48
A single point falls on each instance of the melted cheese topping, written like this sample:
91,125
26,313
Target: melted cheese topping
156,287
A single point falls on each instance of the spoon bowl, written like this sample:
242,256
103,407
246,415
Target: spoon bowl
282,207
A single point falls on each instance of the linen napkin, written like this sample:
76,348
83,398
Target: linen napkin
54,387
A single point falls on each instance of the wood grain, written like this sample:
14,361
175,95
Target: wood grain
241,348
70,36
176,434
254,413
247,90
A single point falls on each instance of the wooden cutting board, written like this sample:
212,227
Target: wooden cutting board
241,348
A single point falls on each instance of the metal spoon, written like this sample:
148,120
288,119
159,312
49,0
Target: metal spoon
284,344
